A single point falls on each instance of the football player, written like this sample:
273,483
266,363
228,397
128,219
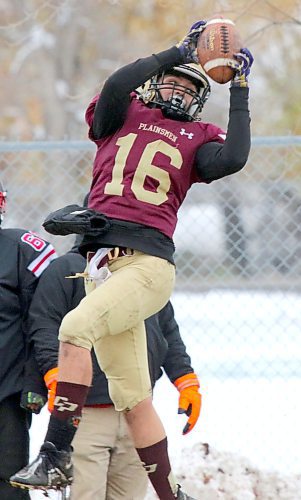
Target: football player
23,258
151,147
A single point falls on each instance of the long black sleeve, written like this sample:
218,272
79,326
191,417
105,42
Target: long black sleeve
55,296
111,108
33,380
215,160
177,362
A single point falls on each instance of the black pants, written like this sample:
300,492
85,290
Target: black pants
14,445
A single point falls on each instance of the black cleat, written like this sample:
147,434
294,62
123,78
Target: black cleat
182,496
52,469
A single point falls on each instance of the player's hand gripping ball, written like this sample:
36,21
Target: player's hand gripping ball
188,45
217,44
241,65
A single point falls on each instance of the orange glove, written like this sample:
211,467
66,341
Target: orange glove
190,399
50,379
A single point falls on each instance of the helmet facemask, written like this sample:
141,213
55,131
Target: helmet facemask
176,107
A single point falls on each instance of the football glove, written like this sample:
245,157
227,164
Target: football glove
50,379
75,219
190,399
32,401
188,45
241,66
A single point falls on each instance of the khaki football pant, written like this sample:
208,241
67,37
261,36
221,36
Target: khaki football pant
106,464
111,319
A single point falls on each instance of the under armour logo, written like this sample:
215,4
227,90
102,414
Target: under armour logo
63,404
189,134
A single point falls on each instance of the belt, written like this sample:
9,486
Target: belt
113,254
119,252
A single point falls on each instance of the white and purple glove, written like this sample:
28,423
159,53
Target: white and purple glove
188,45
241,66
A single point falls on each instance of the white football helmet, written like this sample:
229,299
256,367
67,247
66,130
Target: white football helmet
176,107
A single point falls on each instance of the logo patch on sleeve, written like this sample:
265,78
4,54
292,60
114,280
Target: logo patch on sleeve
34,241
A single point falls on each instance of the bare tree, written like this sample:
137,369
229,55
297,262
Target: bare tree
56,54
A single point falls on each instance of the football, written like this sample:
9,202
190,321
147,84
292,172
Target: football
216,45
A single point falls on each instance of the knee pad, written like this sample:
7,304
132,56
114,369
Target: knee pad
75,330
125,399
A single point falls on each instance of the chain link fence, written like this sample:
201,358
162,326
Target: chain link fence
237,297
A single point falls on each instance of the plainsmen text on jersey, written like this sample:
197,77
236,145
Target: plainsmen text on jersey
23,258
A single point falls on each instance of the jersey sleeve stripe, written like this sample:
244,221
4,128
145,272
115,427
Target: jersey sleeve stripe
44,265
38,265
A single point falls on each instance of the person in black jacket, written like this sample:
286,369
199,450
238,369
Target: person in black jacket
23,258
104,458
151,148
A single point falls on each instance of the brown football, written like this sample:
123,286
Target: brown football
216,45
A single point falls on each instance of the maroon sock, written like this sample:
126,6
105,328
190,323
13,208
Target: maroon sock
69,401
156,463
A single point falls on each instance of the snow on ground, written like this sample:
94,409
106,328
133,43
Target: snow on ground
213,475
237,451
247,444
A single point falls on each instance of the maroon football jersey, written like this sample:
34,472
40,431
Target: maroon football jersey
143,171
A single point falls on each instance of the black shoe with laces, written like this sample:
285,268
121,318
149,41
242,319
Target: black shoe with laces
52,469
182,496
